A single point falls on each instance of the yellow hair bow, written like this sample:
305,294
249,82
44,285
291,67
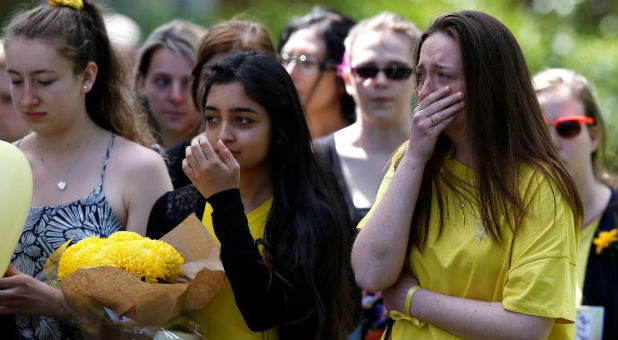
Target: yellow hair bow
75,4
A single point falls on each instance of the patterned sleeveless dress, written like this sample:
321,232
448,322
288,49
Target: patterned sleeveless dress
46,229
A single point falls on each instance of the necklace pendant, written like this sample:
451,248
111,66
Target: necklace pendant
461,205
62,185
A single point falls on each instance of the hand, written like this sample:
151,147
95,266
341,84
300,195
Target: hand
430,117
395,295
23,294
209,173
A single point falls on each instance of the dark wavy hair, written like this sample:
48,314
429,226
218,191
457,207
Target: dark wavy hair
505,129
81,37
306,231
333,28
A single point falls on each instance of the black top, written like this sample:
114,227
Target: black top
327,154
601,280
174,157
264,299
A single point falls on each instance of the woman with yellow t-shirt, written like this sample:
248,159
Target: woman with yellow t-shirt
284,242
474,232
578,131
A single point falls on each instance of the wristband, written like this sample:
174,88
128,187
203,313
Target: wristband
409,298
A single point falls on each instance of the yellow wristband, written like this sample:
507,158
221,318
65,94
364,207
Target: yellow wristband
409,298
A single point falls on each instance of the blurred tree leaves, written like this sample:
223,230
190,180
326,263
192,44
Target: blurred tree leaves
577,34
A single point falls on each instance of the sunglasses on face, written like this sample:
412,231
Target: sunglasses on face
571,126
304,64
392,72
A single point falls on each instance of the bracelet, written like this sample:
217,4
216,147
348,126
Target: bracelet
409,298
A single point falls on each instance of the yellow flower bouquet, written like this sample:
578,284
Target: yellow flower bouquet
112,285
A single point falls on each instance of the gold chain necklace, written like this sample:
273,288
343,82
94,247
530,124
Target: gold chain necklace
479,229
62,184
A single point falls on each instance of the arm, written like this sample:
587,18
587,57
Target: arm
380,247
264,299
23,294
467,318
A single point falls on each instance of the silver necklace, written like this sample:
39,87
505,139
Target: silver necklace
62,184
479,229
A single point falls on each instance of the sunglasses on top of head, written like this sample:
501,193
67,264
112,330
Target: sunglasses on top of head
394,72
571,126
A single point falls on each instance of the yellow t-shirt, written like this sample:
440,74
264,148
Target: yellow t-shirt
586,236
533,272
221,318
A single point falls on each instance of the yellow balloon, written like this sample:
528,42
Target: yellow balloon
15,199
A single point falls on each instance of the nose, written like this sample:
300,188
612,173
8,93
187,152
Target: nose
29,97
427,87
177,93
226,132
381,80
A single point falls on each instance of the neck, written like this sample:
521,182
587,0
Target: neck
594,195
459,139
70,140
255,187
169,140
380,138
324,120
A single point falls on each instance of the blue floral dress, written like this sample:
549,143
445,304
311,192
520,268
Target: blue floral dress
46,229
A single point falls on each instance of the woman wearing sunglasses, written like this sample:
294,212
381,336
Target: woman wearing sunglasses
310,49
377,71
474,232
578,131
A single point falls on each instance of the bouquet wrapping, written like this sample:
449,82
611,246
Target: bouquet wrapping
110,302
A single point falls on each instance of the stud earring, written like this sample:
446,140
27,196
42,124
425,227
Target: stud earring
85,86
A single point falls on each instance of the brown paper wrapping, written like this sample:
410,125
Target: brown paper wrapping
148,306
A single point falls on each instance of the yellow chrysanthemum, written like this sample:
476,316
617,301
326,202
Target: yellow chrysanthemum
75,4
604,239
140,256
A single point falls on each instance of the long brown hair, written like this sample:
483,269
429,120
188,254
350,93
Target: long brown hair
81,37
505,130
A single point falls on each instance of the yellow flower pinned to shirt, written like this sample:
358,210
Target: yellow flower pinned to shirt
75,4
145,258
606,239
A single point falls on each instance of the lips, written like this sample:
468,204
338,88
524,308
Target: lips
35,115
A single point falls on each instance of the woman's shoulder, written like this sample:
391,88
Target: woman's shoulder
135,154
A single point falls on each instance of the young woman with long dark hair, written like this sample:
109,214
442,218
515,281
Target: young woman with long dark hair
284,239
475,229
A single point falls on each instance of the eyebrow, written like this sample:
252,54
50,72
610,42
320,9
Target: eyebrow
234,110
35,72
435,65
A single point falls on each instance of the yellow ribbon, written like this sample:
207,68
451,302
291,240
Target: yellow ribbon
398,316
74,4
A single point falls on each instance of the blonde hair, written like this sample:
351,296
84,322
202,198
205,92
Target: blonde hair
179,36
383,22
579,88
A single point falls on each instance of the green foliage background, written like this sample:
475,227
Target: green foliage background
576,34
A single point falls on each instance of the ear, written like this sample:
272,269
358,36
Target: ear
89,76
347,80
593,131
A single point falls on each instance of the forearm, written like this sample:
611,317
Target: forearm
379,251
264,299
473,319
